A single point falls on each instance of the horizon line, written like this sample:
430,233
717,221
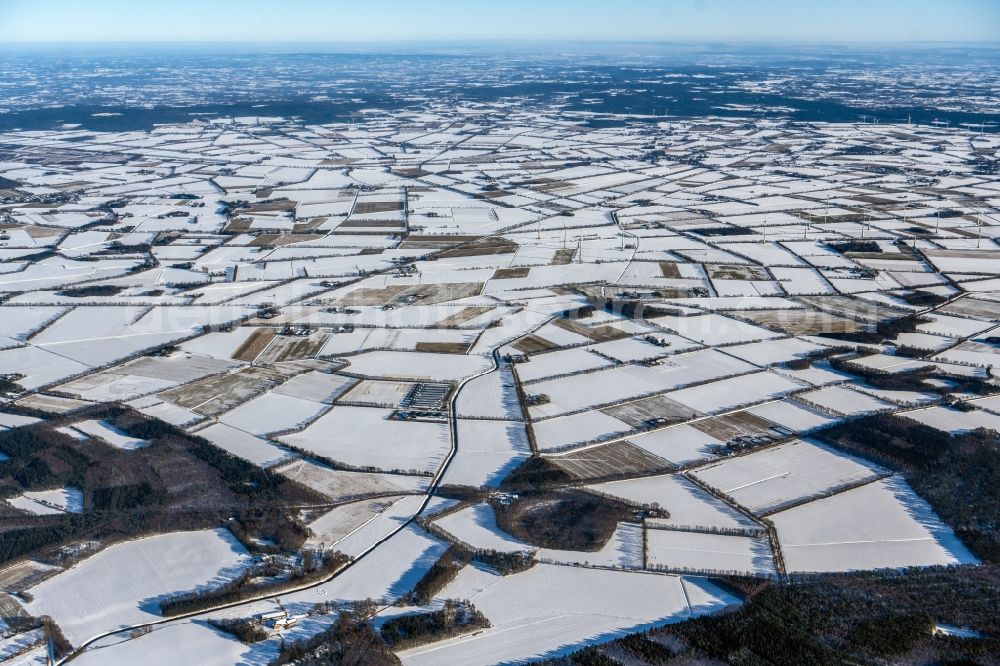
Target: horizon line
484,41
523,40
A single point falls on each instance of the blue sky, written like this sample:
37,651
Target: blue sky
609,20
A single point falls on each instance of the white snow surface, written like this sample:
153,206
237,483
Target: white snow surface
123,584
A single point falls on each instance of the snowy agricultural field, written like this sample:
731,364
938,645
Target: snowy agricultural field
368,437
675,550
551,610
122,585
109,434
476,526
184,642
377,393
20,322
387,573
733,392
560,362
38,366
8,421
339,522
619,383
953,326
219,345
46,502
715,329
487,452
100,335
688,504
165,411
272,412
316,386
109,386
490,396
624,550
629,350
954,421
417,365
766,480
770,352
679,444
380,526
879,525
244,445
565,431
792,415
341,485
843,401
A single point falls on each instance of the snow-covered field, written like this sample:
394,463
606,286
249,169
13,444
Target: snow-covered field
476,526
342,520
766,480
844,401
714,329
629,381
678,444
879,525
367,437
245,445
417,365
492,395
187,642
674,550
8,421
488,450
109,434
380,526
341,485
45,502
272,412
689,505
122,585
579,428
735,392
953,420
551,610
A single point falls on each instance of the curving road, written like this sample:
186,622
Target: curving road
431,490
